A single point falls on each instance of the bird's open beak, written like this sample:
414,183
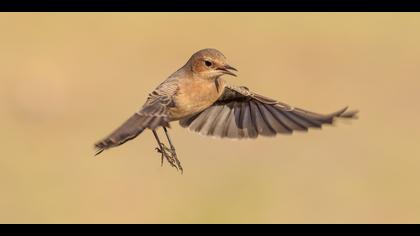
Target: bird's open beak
226,69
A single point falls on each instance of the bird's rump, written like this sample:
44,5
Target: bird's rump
240,113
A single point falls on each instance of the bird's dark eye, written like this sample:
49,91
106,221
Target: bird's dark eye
208,63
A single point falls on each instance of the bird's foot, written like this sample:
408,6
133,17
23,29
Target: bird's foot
178,163
170,155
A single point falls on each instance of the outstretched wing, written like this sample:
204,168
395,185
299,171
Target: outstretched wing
240,113
152,115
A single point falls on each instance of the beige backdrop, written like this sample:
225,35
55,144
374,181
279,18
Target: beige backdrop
68,79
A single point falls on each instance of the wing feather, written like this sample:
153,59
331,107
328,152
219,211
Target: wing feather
240,113
208,123
152,115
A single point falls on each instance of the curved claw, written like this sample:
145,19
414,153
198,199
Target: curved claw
168,153
161,157
171,158
178,163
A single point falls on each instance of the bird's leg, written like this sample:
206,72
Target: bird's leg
162,149
160,146
173,150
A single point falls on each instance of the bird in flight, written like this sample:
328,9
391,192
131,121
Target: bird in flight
199,98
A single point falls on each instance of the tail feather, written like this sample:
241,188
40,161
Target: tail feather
129,130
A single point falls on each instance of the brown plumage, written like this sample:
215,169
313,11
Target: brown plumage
239,113
201,100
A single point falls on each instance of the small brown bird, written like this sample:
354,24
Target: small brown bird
201,100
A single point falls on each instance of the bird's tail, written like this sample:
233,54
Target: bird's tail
150,116
127,131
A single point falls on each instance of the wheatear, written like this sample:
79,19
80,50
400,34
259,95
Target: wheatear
201,100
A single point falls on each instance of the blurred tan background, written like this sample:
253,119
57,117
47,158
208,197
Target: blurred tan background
68,79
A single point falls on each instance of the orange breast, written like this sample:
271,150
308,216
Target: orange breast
195,95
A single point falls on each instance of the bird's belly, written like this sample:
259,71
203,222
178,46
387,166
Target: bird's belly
194,98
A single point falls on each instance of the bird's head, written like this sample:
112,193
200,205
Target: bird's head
210,64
